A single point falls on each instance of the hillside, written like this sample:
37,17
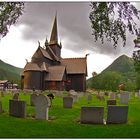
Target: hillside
9,72
120,71
123,65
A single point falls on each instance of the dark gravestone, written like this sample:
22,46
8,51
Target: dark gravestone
106,93
92,115
1,107
111,102
67,102
117,114
17,108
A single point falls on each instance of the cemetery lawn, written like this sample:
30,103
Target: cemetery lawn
65,123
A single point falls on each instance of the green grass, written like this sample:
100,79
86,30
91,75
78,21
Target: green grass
64,123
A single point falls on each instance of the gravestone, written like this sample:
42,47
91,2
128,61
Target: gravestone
42,104
100,97
101,93
92,115
112,96
118,95
106,93
138,94
72,92
75,98
67,102
117,114
1,107
16,96
111,102
17,108
32,99
124,98
80,94
89,97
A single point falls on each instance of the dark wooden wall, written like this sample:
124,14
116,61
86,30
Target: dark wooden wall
55,85
76,82
32,79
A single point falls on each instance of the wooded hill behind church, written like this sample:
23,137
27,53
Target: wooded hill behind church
48,70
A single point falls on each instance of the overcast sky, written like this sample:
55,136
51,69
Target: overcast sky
73,29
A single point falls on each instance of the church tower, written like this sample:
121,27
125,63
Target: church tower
53,44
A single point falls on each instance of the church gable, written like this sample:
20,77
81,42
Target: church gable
75,65
55,73
37,54
41,53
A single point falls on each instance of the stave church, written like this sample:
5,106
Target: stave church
49,71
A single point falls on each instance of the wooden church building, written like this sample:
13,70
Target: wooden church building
49,71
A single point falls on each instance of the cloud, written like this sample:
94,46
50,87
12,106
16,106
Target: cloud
73,27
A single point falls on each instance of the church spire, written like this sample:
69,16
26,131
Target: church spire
54,36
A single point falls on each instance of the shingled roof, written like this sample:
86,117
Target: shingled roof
46,53
32,67
75,65
55,73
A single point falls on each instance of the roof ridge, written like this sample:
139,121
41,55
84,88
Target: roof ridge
45,51
56,58
57,66
75,58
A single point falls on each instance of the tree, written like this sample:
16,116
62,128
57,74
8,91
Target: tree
112,20
9,14
130,85
111,80
94,74
136,57
106,81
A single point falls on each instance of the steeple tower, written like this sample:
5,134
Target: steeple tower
54,35
53,44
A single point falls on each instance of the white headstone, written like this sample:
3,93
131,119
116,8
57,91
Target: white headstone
72,92
42,104
112,96
101,93
124,98
118,95
75,98
138,94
